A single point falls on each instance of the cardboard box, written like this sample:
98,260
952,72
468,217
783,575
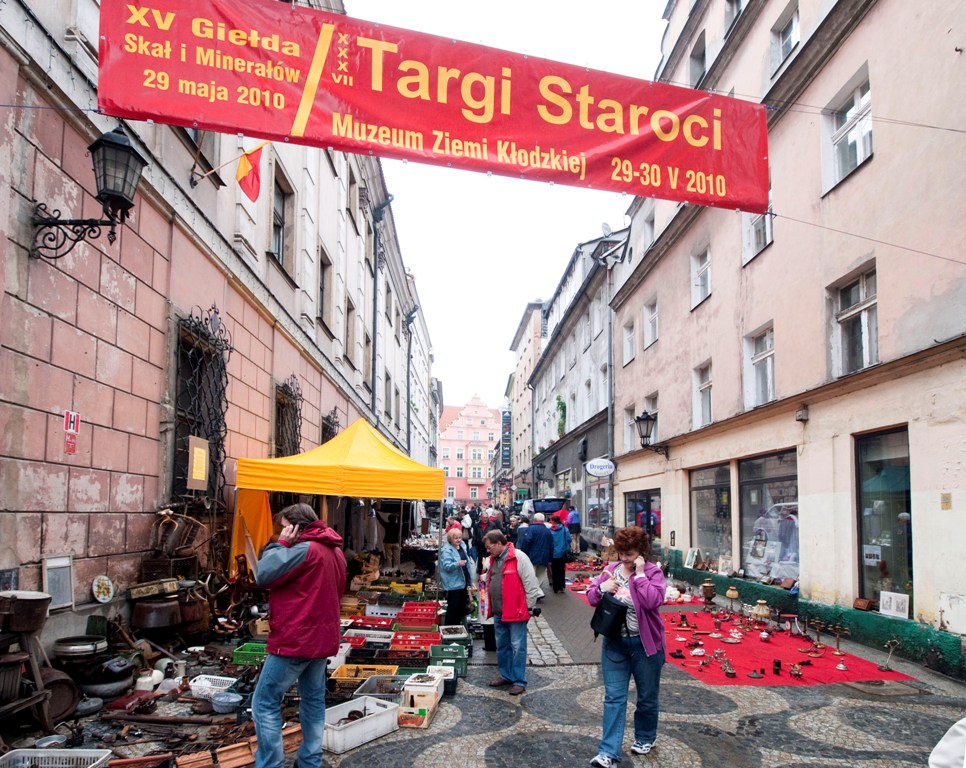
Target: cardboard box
416,717
424,683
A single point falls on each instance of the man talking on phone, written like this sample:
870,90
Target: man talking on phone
304,572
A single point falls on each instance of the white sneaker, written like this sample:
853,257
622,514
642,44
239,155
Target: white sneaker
642,747
602,761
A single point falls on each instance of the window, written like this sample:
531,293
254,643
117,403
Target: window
884,507
698,61
367,360
473,493
283,223
490,437
702,396
459,471
326,290
711,512
629,347
349,335
784,36
851,125
482,422
445,470
387,397
760,368
476,435
644,509
476,454
631,439
352,200
733,9
700,277
757,230
650,323
650,405
397,405
768,513
857,320
459,454
445,453
450,492
288,419
476,472
459,435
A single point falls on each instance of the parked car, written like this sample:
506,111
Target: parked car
547,506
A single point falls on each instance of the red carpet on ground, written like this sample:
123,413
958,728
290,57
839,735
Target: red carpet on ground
752,653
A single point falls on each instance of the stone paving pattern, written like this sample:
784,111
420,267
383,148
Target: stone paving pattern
557,721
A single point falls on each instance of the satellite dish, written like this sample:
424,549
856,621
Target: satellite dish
605,227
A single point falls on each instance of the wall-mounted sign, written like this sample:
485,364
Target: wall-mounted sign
285,72
600,467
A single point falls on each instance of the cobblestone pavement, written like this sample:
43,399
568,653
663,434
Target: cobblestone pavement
557,721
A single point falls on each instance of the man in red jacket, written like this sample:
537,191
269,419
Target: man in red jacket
305,575
512,591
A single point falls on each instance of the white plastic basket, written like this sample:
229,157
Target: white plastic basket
54,758
380,717
206,686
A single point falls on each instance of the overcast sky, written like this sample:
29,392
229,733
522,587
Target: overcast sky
481,246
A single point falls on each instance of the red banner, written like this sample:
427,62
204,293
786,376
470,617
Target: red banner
290,73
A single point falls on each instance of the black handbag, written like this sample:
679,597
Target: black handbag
610,617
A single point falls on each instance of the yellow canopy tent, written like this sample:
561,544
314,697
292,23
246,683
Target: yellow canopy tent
357,462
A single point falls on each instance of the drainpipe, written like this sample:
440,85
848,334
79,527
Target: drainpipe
378,213
410,318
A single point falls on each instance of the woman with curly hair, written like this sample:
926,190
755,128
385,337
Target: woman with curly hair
639,651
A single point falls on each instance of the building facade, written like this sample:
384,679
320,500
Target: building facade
806,366
469,435
258,328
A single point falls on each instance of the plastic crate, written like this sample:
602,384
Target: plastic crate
449,655
385,687
408,657
388,611
356,641
370,634
454,633
54,758
362,655
373,622
206,686
422,638
251,654
348,677
379,718
416,628
406,589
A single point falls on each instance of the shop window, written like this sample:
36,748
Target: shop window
711,512
644,509
599,511
885,518
769,516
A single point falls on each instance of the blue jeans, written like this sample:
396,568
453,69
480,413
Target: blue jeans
277,675
511,650
619,659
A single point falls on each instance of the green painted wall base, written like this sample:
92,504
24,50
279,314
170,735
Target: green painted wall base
941,651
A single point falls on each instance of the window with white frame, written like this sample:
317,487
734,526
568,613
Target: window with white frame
476,454
650,323
459,453
629,347
476,435
459,434
450,492
473,493
784,35
857,323
733,9
589,397
445,471
445,453
476,472
757,230
631,440
490,437
760,368
851,131
650,405
702,395
459,471
698,60
700,277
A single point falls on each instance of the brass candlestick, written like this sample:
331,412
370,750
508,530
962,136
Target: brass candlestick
839,630
819,626
891,645
708,591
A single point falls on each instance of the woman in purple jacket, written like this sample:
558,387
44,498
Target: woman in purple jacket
638,652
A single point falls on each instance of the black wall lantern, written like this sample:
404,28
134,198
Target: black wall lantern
645,427
117,171
539,468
